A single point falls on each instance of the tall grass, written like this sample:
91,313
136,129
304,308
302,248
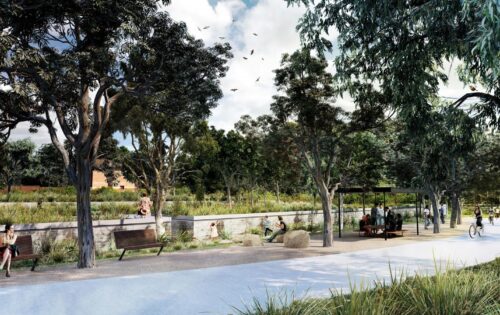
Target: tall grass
467,291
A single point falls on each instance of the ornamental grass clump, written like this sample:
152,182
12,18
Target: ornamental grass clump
473,290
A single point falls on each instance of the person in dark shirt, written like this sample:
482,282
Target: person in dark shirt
479,216
399,222
282,229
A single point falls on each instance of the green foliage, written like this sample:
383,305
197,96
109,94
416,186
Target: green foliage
225,235
256,231
62,251
474,290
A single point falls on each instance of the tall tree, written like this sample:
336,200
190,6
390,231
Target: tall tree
186,89
71,58
307,96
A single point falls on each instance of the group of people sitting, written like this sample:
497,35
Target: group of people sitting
393,222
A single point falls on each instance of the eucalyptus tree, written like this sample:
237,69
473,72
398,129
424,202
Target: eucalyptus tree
398,49
306,96
71,60
186,87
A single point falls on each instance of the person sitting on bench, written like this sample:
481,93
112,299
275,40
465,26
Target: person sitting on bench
10,250
364,224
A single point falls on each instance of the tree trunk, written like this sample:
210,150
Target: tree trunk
251,197
454,210
341,197
85,229
278,192
459,211
435,196
159,200
327,219
229,197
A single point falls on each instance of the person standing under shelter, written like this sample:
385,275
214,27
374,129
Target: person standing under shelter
380,214
282,229
144,205
373,214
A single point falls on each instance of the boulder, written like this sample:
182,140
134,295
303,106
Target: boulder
297,239
251,240
279,238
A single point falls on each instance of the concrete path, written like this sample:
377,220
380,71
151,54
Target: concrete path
216,290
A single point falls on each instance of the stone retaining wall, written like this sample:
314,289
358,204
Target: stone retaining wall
198,226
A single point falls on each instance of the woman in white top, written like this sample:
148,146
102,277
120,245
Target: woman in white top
213,231
8,240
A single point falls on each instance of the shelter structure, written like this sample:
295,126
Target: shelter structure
392,190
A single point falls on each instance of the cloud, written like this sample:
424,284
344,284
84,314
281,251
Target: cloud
274,25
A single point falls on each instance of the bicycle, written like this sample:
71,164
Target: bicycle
474,229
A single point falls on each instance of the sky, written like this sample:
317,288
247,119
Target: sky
268,27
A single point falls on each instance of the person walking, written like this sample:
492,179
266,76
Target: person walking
427,218
442,213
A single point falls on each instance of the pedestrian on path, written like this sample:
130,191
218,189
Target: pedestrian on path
427,216
214,234
442,212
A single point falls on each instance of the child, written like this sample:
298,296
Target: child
267,225
213,231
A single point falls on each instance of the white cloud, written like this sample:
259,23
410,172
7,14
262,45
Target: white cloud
274,25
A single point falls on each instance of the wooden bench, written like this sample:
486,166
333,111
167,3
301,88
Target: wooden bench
396,232
136,239
25,246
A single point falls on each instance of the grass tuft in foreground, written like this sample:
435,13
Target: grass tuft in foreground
474,290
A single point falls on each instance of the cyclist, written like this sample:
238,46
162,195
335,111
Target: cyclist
479,217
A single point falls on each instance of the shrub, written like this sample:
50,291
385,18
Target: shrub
256,231
59,251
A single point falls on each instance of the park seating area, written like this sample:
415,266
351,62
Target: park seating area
136,239
25,245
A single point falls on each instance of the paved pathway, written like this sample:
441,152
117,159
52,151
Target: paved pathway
215,290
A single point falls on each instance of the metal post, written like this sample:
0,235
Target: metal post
363,196
385,223
340,230
416,210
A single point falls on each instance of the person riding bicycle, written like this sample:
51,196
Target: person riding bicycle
479,217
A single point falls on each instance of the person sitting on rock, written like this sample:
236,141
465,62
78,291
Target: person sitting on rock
282,229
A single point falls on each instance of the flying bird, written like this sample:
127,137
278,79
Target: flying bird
257,79
251,52
206,27
234,90
255,34
245,58
234,20
221,37
262,58
199,29
472,88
